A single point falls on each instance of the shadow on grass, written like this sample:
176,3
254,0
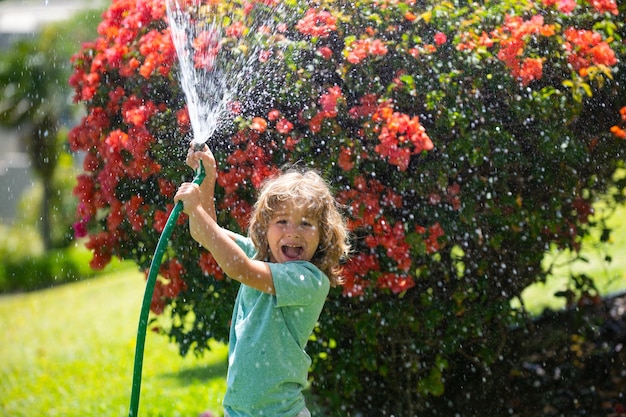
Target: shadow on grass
201,373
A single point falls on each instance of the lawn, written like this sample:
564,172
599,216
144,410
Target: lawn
69,351
609,278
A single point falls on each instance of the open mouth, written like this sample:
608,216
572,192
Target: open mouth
292,252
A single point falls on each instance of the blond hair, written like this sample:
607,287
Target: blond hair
306,190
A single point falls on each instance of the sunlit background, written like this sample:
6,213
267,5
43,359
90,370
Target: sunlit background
76,341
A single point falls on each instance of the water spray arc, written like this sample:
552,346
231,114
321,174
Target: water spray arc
196,35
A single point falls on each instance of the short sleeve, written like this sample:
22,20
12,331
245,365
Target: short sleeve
245,243
299,283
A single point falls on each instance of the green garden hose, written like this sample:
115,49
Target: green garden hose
147,297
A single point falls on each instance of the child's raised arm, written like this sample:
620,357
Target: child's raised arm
199,205
207,187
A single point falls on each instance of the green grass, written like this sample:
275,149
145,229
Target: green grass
69,351
609,278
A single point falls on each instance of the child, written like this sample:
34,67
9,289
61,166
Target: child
296,240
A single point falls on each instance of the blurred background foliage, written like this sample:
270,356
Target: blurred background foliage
38,248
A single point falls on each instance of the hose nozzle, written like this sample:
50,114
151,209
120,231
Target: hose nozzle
198,146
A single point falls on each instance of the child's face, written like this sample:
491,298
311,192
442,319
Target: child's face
292,236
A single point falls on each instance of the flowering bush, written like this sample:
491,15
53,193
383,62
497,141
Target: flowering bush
463,140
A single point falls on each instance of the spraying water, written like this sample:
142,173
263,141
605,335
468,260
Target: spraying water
219,48
204,85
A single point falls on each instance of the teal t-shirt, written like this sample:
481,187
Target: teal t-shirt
267,363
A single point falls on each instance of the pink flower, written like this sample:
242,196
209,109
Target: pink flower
80,228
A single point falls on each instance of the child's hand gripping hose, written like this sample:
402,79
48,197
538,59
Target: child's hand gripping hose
147,298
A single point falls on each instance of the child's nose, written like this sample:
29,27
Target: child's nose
292,229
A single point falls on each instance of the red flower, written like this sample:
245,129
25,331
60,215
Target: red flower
264,56
602,54
86,194
290,143
355,272
397,283
325,52
400,136
133,208
603,6
329,100
184,123
136,112
161,217
158,50
273,115
514,36
86,135
318,24
235,107
564,6
101,244
392,199
173,272
362,48
209,266
440,38
618,132
367,108
80,228
169,286
166,187
315,124
206,46
345,159
238,209
510,50
377,47
434,233
234,30
284,126
259,124
586,47
115,98
531,69
115,216
363,198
